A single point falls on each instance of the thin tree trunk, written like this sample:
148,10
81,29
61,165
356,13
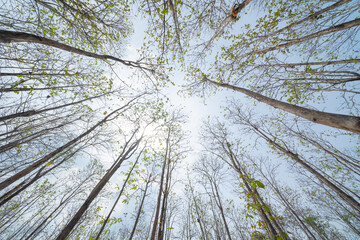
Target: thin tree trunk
311,63
25,139
218,202
4,74
352,202
199,220
236,165
140,209
125,155
118,198
34,112
39,89
346,122
62,202
340,27
288,206
12,36
25,184
230,18
155,224
308,18
164,201
343,159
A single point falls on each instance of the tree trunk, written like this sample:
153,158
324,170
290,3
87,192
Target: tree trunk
350,200
340,27
34,112
221,209
165,200
308,18
62,202
346,122
68,228
11,36
140,209
118,198
311,63
156,217
236,165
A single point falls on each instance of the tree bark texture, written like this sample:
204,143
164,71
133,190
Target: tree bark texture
345,122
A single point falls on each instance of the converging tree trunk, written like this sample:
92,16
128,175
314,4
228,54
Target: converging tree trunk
118,198
345,122
11,36
123,156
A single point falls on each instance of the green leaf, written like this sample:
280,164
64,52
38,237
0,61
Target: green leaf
260,184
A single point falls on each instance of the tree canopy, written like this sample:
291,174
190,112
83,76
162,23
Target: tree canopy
98,141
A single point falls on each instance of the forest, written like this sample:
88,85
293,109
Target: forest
179,119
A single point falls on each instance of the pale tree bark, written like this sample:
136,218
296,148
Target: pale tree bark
158,204
119,196
64,200
274,185
292,42
229,19
345,122
198,215
220,206
220,146
210,170
123,156
28,182
323,63
140,207
34,112
236,165
11,36
340,157
15,89
165,200
308,18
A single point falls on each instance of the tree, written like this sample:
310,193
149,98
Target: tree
173,137
223,147
240,117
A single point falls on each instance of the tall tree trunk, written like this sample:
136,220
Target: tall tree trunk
11,36
306,230
219,203
244,176
158,204
140,208
34,112
335,62
339,27
125,155
271,217
62,202
308,18
39,89
346,122
118,198
164,201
